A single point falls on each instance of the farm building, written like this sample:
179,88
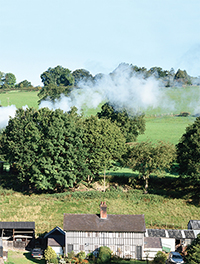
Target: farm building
171,239
123,234
17,234
56,239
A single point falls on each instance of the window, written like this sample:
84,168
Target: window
82,247
70,247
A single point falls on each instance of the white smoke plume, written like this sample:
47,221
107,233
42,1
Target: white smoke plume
6,112
122,90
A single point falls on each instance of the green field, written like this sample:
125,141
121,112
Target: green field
168,205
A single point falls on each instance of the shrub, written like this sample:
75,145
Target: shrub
50,254
104,255
160,258
81,255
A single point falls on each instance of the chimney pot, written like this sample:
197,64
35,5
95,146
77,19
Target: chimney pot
103,210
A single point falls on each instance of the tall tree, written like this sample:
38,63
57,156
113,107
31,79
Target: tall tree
193,252
188,153
104,143
82,76
147,158
56,81
130,125
46,148
9,80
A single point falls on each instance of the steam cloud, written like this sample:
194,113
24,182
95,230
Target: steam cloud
6,113
133,93
122,89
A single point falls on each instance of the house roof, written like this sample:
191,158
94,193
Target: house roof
152,242
113,223
194,224
170,233
57,228
17,225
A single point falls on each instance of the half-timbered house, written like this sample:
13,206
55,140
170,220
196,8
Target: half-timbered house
123,234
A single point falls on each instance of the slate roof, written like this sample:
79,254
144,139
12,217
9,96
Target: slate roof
17,225
170,233
152,242
194,224
156,233
113,223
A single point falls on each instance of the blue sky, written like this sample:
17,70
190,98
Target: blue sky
97,35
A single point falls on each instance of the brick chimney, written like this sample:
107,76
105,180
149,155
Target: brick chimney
103,210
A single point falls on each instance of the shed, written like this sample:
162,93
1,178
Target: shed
56,239
151,246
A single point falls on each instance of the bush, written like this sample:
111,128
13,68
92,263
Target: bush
50,254
160,258
81,255
104,255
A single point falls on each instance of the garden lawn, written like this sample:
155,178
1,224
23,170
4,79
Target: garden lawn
21,257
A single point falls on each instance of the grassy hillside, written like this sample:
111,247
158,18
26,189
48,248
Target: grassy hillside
47,211
168,205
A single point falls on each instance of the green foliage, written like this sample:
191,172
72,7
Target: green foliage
83,76
131,126
193,252
159,258
9,80
45,148
183,77
188,152
103,142
49,254
104,255
24,84
81,255
148,158
56,81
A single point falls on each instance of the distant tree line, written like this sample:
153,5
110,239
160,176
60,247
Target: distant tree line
66,80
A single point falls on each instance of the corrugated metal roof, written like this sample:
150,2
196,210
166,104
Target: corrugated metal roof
170,233
17,225
113,223
194,224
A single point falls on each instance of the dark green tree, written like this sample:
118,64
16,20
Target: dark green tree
188,153
104,142
193,252
24,84
46,148
130,125
82,75
9,80
148,158
56,81
1,78
182,77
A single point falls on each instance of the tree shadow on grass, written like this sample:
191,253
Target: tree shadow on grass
34,260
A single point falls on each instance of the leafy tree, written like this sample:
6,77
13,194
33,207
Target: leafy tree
131,126
160,258
24,84
46,148
104,143
104,255
1,78
82,75
147,158
183,77
49,254
193,252
9,80
56,81
188,152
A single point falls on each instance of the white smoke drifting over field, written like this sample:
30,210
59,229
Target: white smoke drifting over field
7,112
122,91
